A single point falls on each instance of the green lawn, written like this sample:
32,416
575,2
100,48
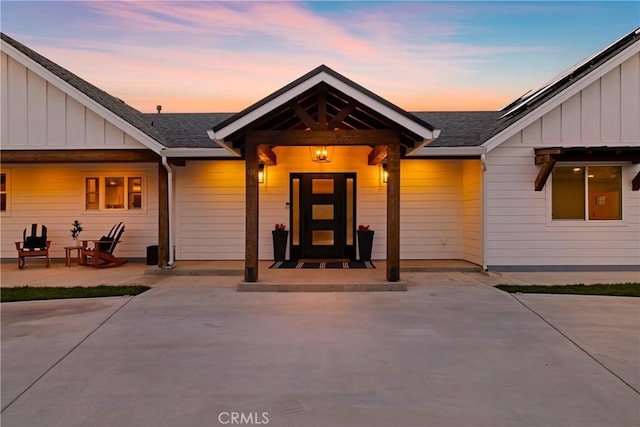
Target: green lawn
29,293
613,289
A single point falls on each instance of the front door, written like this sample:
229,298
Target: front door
322,215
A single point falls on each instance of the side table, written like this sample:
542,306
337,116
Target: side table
67,254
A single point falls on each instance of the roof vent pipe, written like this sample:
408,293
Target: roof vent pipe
159,108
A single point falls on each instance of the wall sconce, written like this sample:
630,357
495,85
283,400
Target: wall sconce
321,153
384,173
261,173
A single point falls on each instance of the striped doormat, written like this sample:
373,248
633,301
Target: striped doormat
323,264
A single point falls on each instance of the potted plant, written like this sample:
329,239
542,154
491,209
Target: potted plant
75,231
280,237
365,242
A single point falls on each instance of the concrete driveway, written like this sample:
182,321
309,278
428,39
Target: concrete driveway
194,352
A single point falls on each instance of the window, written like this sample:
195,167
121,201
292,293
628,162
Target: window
592,193
113,192
3,192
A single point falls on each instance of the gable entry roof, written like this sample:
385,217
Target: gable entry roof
323,92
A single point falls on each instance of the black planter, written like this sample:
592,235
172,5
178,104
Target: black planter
365,244
280,238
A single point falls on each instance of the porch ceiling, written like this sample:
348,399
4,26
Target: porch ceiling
323,100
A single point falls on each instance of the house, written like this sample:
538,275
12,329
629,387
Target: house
550,182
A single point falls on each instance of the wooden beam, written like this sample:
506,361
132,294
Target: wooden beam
322,110
377,155
77,156
251,225
545,171
163,216
303,115
542,155
393,213
322,137
267,156
635,183
343,114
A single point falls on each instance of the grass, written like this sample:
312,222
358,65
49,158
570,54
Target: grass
613,289
28,293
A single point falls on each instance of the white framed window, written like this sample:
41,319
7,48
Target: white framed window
114,192
586,193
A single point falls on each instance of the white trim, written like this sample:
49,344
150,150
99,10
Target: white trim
563,96
322,77
198,152
450,151
82,98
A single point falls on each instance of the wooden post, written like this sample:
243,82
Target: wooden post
251,228
393,212
163,216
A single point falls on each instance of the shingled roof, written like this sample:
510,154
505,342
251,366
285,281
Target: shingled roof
186,130
113,104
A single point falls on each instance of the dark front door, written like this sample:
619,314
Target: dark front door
322,215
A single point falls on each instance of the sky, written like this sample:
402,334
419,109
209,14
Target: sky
206,56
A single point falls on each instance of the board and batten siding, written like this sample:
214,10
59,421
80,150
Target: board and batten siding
210,204
44,117
54,195
519,230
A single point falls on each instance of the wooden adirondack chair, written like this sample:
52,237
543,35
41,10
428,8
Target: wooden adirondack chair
33,244
101,251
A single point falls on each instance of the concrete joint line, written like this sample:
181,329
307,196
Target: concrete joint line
575,344
66,355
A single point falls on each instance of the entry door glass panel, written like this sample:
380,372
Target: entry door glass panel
322,186
320,212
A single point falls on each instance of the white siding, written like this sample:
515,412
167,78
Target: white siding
518,225
54,195
210,204
472,211
42,116
431,209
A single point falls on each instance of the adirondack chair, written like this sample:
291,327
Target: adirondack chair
101,251
34,244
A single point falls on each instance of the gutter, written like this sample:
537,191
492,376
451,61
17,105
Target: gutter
166,165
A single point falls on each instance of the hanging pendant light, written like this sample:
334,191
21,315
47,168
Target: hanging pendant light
321,153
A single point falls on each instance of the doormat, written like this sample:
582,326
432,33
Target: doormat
323,265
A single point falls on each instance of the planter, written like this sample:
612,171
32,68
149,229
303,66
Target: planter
280,238
365,244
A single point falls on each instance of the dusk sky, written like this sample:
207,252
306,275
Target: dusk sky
223,56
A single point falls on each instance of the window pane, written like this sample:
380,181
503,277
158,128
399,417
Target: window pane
92,198
319,212
135,193
350,211
295,206
605,192
567,193
3,192
114,193
322,237
322,186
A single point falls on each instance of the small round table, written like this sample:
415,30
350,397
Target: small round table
67,254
